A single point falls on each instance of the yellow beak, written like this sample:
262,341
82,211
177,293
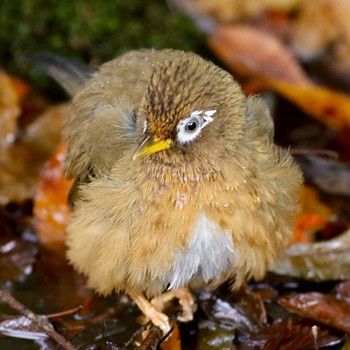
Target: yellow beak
150,145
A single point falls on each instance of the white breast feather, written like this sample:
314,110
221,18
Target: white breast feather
210,253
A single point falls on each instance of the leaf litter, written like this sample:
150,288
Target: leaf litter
305,305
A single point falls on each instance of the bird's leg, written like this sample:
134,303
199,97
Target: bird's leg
158,318
185,300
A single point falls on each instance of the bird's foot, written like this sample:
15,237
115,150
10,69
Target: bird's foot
152,309
158,318
185,299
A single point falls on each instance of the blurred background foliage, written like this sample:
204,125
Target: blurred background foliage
90,31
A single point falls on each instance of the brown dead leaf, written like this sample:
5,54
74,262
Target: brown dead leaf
252,53
322,261
16,259
329,107
342,291
19,173
244,310
9,110
297,335
23,327
256,54
45,132
21,163
329,175
321,308
51,210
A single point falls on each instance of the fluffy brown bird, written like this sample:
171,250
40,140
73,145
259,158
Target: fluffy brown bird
178,181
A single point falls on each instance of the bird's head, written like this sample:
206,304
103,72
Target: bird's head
189,105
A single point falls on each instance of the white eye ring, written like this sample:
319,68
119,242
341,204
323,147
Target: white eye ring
190,128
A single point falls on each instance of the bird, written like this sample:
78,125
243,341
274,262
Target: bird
178,182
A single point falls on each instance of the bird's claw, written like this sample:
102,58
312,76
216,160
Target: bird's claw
152,309
186,301
160,320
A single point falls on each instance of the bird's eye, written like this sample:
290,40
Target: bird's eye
190,128
192,125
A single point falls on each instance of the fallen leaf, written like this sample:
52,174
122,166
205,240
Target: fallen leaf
22,161
347,344
313,216
330,176
329,107
327,260
10,110
23,327
19,173
252,53
306,226
315,30
44,133
17,258
342,291
324,309
244,310
173,342
101,336
225,11
51,209
212,335
296,335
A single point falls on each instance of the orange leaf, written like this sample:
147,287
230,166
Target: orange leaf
20,86
51,210
9,109
310,202
306,225
173,342
329,107
252,53
314,214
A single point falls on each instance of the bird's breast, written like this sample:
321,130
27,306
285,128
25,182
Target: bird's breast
208,255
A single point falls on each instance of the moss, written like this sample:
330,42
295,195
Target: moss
90,30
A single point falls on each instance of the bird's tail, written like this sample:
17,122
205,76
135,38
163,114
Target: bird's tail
68,73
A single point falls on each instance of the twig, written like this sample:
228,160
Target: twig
314,331
66,313
41,323
152,340
136,334
154,335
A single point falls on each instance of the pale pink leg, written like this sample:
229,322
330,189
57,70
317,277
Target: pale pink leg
158,318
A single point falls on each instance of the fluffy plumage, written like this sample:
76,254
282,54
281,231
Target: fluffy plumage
192,214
